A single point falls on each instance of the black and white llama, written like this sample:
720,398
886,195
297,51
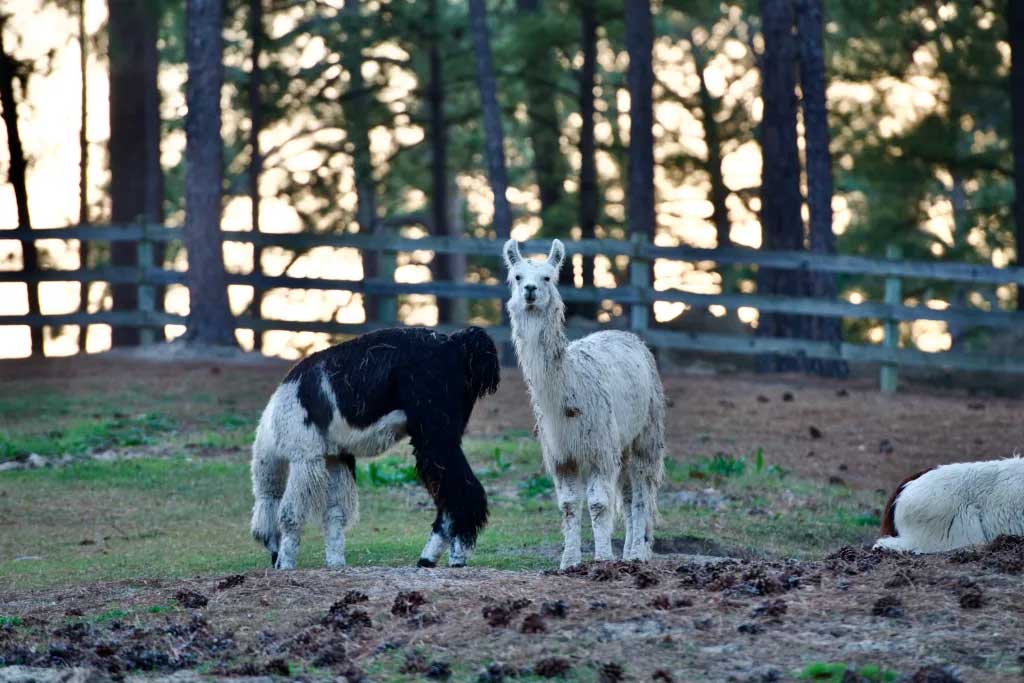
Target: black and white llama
355,400
600,412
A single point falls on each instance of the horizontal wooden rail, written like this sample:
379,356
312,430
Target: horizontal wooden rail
624,295
669,339
782,260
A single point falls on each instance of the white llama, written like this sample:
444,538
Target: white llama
600,412
953,506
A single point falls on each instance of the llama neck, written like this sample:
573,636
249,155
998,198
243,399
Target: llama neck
541,345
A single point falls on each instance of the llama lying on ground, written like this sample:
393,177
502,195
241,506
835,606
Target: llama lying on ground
355,400
952,506
600,412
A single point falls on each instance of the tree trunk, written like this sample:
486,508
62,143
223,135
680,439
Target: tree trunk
544,129
709,108
357,119
256,33
16,172
136,178
819,176
494,138
588,192
85,247
1016,26
209,320
640,80
439,204
781,222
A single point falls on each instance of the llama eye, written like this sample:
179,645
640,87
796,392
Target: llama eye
518,278
547,279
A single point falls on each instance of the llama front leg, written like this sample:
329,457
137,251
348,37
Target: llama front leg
567,489
602,513
341,506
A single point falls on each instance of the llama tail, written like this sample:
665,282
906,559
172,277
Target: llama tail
458,494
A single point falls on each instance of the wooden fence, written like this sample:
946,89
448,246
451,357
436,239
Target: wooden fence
890,311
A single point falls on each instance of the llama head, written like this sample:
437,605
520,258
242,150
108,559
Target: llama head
534,283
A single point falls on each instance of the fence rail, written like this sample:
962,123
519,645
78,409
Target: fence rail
638,291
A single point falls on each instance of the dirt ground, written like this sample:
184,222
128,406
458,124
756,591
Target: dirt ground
666,621
821,429
677,619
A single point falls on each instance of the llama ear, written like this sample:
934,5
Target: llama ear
557,254
511,253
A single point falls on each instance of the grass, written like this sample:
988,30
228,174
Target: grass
836,672
176,516
85,435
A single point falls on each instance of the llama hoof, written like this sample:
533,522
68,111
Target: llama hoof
273,559
457,565
424,562
335,564
570,561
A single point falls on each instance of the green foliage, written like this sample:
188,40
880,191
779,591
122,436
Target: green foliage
386,471
161,609
537,485
11,622
724,466
836,672
110,615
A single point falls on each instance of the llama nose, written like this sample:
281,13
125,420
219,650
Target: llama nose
531,292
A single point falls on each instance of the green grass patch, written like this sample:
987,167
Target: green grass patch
835,672
83,436
11,622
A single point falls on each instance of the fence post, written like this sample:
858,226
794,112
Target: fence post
639,280
387,305
888,378
146,291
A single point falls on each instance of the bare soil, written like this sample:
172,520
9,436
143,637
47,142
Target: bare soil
732,620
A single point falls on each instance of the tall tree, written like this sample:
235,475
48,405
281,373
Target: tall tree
781,222
136,178
588,192
11,71
640,79
443,270
83,168
494,137
356,103
210,320
1016,30
709,109
544,126
819,175
256,36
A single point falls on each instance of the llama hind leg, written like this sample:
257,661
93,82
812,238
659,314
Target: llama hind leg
440,537
641,517
601,501
342,507
626,493
269,476
306,492
567,489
